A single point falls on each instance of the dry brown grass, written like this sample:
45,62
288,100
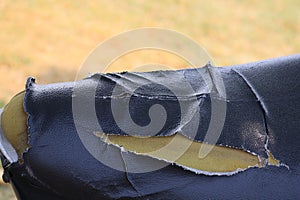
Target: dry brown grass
50,39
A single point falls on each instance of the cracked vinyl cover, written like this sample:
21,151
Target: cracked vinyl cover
57,143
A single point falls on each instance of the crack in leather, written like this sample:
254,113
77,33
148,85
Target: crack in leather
262,106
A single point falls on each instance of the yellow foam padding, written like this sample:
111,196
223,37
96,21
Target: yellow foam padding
220,159
14,123
272,160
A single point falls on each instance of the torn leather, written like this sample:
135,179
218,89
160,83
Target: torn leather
263,113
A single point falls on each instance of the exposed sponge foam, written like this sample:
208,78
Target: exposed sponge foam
220,160
14,123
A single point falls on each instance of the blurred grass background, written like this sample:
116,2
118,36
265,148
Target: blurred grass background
50,39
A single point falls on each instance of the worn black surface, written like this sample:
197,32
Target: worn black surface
263,112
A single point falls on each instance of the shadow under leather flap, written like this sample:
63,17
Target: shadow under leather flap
262,114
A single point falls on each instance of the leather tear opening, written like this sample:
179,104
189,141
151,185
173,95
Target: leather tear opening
222,160
14,124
